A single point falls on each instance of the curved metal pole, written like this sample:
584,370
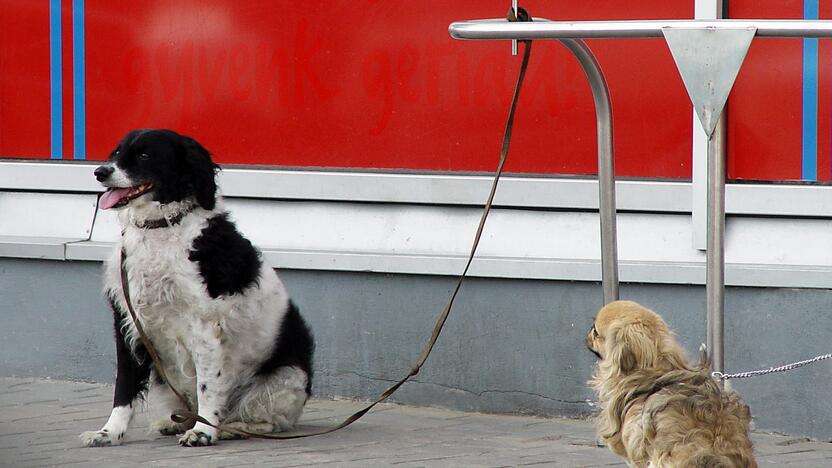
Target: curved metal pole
606,165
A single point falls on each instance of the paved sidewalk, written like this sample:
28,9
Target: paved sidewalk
40,421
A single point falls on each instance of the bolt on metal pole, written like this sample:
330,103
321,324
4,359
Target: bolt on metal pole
715,258
606,166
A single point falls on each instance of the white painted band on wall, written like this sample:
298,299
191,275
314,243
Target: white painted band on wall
457,189
433,239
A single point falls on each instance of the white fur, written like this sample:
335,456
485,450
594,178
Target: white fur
119,178
113,431
197,337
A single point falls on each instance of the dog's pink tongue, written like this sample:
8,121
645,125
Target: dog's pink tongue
111,197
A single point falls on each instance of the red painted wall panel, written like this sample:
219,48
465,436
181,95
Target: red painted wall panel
372,85
24,79
381,85
825,104
375,85
765,106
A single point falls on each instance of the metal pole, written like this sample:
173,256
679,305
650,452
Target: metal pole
606,166
715,259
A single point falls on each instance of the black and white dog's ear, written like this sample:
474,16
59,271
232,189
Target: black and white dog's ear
202,172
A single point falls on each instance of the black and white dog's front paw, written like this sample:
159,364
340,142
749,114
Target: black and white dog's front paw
195,438
100,438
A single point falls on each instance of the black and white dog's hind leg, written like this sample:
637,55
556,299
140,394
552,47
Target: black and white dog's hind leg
279,389
131,381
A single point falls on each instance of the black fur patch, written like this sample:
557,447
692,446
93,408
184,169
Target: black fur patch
294,347
227,261
133,369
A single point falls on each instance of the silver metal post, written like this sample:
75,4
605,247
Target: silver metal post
715,259
606,166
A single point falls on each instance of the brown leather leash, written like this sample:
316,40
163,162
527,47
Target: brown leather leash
190,415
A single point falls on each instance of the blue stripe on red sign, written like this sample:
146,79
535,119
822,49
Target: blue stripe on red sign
55,81
809,163
78,81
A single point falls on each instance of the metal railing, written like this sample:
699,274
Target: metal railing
570,34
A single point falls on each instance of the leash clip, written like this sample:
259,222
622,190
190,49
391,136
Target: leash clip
517,14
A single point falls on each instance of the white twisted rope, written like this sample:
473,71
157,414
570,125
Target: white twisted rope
770,370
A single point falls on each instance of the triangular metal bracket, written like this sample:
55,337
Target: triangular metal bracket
708,60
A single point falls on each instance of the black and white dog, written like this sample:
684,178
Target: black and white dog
229,337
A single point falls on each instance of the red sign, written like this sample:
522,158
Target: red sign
381,85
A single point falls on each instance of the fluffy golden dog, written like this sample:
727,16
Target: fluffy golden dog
656,409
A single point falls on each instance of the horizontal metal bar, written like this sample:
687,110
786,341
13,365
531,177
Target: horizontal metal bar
542,28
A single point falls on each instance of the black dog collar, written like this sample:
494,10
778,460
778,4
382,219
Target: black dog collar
163,222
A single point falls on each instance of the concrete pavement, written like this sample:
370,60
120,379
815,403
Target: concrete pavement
40,421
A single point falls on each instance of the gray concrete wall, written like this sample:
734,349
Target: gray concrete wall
510,345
